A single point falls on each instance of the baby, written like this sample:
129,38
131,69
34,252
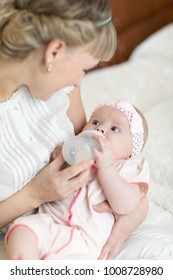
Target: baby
70,228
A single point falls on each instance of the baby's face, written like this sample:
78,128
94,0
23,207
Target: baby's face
115,127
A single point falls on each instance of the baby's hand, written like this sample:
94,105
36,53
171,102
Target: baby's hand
104,156
56,152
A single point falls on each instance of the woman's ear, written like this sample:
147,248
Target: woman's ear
53,49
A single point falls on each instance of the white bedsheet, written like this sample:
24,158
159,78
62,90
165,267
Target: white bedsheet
146,80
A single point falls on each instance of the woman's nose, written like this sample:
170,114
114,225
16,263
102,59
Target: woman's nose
101,129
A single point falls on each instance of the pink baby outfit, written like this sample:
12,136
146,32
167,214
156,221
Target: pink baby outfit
70,228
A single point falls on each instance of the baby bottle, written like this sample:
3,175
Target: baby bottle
80,148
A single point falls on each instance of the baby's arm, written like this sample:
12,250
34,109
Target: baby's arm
122,196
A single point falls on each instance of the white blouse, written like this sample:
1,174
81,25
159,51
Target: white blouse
30,129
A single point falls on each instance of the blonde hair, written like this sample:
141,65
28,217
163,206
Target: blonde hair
25,25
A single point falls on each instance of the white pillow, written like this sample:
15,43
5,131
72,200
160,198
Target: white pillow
159,152
144,80
158,215
159,45
159,148
161,196
140,83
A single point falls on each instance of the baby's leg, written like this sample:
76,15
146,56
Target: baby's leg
22,244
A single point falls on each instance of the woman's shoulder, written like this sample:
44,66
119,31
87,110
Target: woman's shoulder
11,101
24,92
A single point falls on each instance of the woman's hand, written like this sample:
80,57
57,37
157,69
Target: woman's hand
123,227
52,183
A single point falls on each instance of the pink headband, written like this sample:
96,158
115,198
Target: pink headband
135,122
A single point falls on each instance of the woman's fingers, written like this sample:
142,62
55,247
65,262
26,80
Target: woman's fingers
71,172
57,163
112,246
108,252
52,183
56,151
74,177
75,183
64,182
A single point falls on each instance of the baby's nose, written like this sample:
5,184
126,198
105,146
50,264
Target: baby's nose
101,129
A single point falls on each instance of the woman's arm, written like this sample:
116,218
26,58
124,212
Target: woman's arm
122,228
76,114
15,206
76,111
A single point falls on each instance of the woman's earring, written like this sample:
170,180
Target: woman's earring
49,66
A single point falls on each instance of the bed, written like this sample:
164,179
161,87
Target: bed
142,72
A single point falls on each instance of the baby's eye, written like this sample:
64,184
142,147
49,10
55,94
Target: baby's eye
95,122
114,128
